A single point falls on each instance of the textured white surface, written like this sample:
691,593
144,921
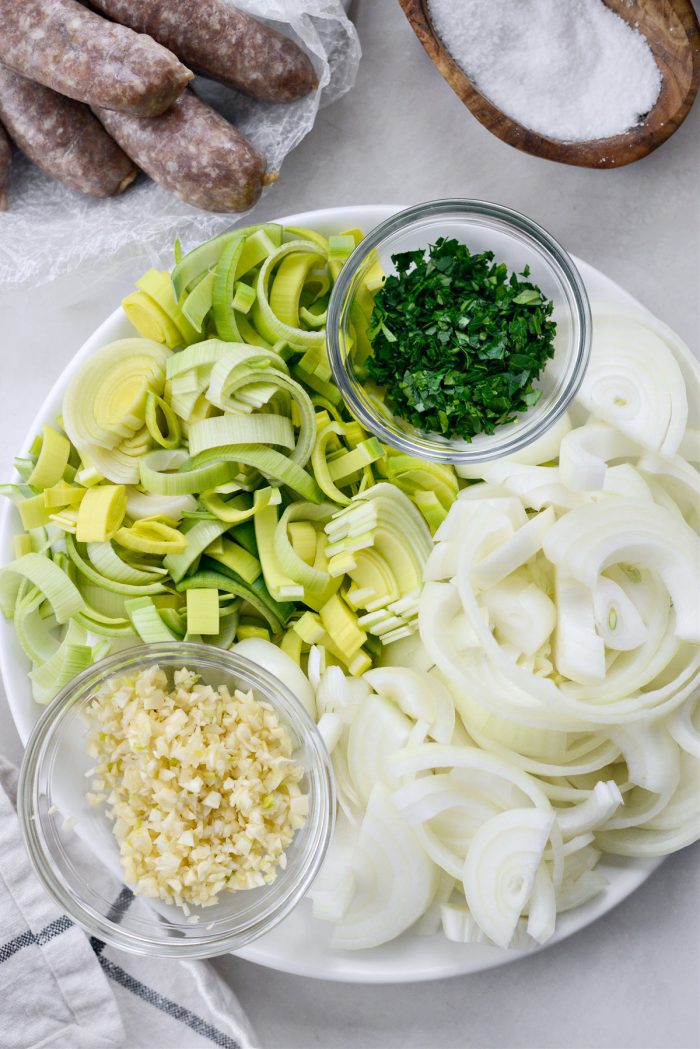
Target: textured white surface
631,979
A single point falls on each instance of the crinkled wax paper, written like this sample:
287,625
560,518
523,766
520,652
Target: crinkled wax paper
50,232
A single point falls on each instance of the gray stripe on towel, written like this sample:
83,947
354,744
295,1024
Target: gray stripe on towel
172,1009
27,938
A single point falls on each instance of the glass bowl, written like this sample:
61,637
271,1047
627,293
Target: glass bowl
75,853
515,240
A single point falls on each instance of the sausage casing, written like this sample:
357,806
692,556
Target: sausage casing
62,137
193,152
221,42
64,46
5,157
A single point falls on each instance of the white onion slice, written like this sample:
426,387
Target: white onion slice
617,618
316,665
627,481
282,666
500,869
579,650
418,695
543,450
425,798
684,726
586,541
689,447
542,909
520,612
330,727
592,813
680,480
576,892
510,554
339,694
459,926
413,760
634,383
429,924
334,886
396,880
377,731
653,766
406,652
585,452
537,486
651,755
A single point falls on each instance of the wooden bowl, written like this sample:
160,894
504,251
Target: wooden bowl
673,34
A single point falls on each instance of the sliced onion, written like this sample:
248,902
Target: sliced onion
579,650
585,452
592,813
334,886
396,881
543,450
586,541
500,869
514,552
282,666
538,487
618,620
418,695
377,731
684,726
542,908
521,612
634,383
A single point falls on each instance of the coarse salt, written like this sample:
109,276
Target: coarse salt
572,70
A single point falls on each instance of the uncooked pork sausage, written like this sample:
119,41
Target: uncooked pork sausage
5,156
219,41
62,137
77,53
192,151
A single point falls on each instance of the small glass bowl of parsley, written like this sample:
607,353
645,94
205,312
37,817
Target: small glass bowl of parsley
458,331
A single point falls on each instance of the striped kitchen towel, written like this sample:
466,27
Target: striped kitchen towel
60,989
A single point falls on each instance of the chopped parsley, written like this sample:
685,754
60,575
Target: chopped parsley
457,341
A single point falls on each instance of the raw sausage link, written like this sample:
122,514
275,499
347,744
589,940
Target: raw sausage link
221,42
62,137
5,157
193,152
78,53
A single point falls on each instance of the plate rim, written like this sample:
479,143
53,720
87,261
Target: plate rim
349,967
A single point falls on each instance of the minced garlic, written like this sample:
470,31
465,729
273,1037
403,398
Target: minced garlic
201,785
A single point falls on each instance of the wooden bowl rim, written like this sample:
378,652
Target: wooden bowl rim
612,152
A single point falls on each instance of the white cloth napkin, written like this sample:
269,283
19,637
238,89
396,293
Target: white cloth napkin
61,989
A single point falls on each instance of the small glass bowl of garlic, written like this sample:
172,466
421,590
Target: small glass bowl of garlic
176,800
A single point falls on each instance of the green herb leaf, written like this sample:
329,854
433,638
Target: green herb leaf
458,341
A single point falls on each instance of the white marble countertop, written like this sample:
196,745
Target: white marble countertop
631,979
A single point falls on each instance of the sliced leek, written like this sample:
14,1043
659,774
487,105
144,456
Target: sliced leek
202,611
56,586
197,539
101,513
151,536
104,406
52,460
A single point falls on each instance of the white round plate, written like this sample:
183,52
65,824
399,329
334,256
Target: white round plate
301,944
